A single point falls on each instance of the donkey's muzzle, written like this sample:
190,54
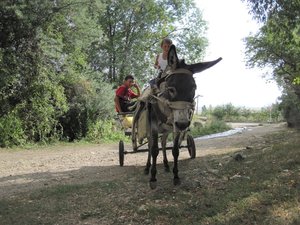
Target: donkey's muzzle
182,125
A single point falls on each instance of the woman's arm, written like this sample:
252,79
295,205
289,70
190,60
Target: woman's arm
156,65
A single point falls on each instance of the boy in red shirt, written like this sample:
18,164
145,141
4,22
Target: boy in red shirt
124,94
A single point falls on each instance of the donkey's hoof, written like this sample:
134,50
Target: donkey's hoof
176,181
146,171
153,185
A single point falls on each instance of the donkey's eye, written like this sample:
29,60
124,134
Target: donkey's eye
172,91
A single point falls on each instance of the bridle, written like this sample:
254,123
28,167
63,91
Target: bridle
167,107
179,105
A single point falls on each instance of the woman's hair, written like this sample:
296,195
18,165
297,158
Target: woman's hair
166,40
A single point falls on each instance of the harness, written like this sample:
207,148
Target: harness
175,104
168,73
179,105
166,106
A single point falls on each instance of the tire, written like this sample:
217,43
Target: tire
121,153
191,146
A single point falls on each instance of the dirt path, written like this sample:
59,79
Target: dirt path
30,169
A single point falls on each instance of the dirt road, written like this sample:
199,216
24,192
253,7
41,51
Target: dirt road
25,170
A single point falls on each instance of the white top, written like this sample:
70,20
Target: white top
162,62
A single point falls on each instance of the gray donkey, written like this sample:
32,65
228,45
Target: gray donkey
168,111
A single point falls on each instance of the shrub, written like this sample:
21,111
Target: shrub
89,102
290,108
104,131
210,127
11,130
230,113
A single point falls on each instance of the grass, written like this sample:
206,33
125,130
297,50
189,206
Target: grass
264,188
212,126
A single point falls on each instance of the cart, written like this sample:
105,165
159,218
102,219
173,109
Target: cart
125,120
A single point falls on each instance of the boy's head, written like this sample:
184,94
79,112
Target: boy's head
129,80
165,44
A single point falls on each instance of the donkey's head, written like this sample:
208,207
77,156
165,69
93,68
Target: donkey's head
180,88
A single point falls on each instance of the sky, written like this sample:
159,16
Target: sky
230,81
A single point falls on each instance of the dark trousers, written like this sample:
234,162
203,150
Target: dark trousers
125,105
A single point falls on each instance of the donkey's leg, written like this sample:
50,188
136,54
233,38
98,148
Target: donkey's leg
153,138
163,146
148,164
175,152
154,153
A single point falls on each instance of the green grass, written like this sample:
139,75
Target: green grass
210,127
264,188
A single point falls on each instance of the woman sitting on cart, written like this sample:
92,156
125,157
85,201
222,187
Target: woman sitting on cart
124,95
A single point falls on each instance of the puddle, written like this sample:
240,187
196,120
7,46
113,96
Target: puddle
223,134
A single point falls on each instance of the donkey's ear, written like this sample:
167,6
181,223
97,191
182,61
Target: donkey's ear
199,67
172,58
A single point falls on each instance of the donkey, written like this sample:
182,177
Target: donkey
171,110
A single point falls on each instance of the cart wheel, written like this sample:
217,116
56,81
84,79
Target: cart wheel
191,146
121,153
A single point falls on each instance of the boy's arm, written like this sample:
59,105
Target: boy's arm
137,89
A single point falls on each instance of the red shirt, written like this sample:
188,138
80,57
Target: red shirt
125,93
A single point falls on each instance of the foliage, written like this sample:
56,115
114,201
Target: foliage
212,126
189,36
296,81
11,130
277,44
230,113
42,59
225,111
104,131
133,31
87,102
25,85
59,60
290,107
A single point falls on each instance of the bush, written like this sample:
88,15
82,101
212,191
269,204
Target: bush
290,108
11,130
89,102
210,127
230,113
104,131
225,112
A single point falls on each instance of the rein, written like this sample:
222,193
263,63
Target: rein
175,105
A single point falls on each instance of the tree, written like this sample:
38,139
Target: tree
134,29
277,44
43,57
59,59
25,88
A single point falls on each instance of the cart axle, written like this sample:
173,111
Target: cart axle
146,150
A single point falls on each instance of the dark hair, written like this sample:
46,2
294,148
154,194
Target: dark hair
129,77
166,40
